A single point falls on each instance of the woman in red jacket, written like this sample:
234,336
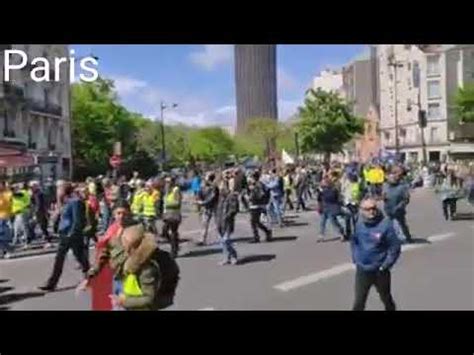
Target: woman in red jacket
101,276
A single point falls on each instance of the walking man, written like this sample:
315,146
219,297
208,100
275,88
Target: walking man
375,249
40,210
396,196
258,199
172,214
210,199
71,226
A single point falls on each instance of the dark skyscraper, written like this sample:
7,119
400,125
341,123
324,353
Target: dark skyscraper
255,82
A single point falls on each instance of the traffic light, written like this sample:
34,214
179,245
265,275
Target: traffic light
422,118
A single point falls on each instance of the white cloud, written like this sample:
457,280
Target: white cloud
127,86
211,56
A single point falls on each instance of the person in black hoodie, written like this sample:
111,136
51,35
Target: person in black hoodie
375,249
258,200
40,209
209,200
227,209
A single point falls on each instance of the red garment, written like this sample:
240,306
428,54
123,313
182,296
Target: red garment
102,284
93,204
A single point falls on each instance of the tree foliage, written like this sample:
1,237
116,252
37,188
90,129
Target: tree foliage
464,101
326,123
211,144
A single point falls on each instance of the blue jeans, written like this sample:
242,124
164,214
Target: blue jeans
117,289
227,248
105,217
5,235
275,209
325,215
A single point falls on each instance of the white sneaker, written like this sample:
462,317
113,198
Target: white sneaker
234,261
224,262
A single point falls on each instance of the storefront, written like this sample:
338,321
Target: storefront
16,165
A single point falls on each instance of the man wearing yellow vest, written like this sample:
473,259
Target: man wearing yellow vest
149,201
137,200
376,178
21,203
5,215
172,214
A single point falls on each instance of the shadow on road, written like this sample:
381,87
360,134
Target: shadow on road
330,240
3,281
4,308
256,258
293,216
420,241
194,253
463,217
5,289
290,224
283,239
16,297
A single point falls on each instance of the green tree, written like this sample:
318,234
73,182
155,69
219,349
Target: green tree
211,144
464,101
326,123
265,132
98,121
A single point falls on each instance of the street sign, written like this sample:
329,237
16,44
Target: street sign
115,161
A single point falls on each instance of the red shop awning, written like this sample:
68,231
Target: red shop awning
15,161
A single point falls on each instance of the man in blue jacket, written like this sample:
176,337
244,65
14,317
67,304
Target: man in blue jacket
71,226
396,196
375,249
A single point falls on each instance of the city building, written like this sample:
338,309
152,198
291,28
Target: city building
329,80
360,87
442,70
35,117
256,83
367,146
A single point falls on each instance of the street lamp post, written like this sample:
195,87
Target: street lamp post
163,107
395,65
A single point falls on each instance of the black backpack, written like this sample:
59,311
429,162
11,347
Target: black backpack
168,276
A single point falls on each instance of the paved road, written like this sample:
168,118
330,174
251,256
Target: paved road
291,273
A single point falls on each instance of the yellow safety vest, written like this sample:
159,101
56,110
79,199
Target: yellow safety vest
149,209
131,287
286,182
170,202
137,203
20,203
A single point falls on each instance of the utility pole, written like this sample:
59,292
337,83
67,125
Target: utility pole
392,62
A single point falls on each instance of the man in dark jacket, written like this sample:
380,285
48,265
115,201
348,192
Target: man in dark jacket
40,209
227,209
71,227
210,198
396,196
257,205
329,201
375,249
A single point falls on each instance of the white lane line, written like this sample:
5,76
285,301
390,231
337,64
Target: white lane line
313,278
439,237
342,268
207,309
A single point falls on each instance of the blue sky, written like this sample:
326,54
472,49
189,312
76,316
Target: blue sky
200,77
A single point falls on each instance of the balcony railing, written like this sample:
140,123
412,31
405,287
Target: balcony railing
13,91
41,107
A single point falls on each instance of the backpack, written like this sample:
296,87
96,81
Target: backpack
168,276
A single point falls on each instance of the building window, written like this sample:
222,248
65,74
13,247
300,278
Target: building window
434,89
387,135
433,65
434,134
434,111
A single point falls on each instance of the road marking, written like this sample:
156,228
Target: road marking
207,309
439,237
313,278
342,268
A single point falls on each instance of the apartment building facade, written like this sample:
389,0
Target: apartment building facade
37,115
442,70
